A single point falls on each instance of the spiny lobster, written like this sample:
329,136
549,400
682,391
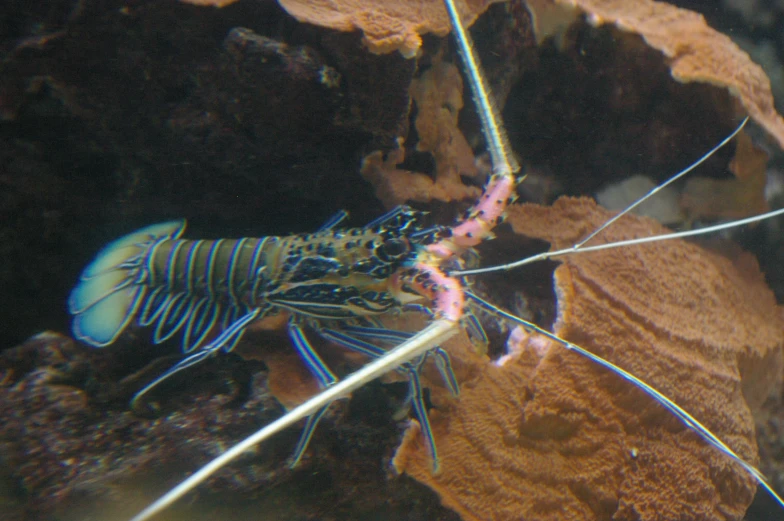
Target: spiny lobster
326,281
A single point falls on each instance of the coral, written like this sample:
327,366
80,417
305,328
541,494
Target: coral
549,435
438,94
214,3
695,52
664,207
551,19
387,26
394,185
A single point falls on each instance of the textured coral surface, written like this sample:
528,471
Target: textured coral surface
438,95
549,434
386,26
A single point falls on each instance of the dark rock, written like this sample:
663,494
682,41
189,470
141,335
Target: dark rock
72,450
117,115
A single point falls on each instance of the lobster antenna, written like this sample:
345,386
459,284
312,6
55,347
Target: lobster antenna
435,334
631,242
580,246
497,142
690,421
666,183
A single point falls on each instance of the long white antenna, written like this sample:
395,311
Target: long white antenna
666,183
631,242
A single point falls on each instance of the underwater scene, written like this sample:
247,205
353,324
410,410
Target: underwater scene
391,260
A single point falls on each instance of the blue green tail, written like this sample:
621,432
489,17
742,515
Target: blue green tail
108,294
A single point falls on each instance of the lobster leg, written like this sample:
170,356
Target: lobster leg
323,374
320,370
442,360
418,402
224,342
411,369
303,345
476,333
307,433
434,334
333,221
315,364
444,364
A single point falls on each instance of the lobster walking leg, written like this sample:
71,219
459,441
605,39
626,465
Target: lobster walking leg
306,352
443,362
347,337
224,342
307,433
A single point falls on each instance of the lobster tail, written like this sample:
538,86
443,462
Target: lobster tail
109,291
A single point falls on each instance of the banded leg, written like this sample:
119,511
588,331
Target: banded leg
476,333
394,337
325,377
303,346
223,342
420,411
410,369
315,364
307,433
333,221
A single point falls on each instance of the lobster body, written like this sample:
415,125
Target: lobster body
193,286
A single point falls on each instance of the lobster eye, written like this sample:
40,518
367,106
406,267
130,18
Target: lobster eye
392,249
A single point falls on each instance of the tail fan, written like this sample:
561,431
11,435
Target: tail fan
108,293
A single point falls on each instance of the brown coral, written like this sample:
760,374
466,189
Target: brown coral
438,95
387,26
214,3
696,52
549,435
